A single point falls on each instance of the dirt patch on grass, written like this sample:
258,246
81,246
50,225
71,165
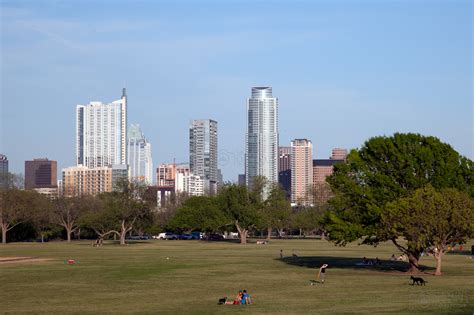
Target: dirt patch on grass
21,259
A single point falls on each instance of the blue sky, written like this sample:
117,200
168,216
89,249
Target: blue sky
343,71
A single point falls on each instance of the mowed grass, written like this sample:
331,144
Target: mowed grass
188,277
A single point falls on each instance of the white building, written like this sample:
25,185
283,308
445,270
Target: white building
101,131
139,155
193,185
203,152
261,145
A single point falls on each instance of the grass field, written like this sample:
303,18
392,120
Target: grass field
188,277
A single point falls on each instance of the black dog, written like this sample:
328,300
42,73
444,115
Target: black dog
418,281
222,301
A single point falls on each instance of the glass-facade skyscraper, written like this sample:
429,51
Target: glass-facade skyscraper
203,151
261,145
101,131
139,155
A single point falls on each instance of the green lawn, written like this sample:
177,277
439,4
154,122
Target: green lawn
188,277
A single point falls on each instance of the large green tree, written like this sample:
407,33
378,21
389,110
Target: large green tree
383,170
15,208
199,213
276,211
241,207
431,219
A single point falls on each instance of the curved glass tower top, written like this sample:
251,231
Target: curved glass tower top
262,92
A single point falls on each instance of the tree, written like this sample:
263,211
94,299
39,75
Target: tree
307,219
241,207
383,170
40,214
14,207
431,218
276,211
199,213
67,212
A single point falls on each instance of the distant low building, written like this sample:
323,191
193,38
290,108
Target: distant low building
81,180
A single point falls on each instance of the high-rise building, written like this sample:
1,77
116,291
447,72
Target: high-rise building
261,145
284,169
3,171
301,172
139,156
338,154
81,180
203,151
241,179
41,173
101,131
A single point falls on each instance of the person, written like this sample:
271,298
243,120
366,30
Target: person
281,253
393,258
246,298
322,272
238,298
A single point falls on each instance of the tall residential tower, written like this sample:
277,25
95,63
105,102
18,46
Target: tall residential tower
301,172
101,131
261,145
203,152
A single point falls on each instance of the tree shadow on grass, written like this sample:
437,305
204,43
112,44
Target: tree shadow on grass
348,263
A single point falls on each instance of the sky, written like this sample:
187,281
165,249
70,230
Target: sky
343,71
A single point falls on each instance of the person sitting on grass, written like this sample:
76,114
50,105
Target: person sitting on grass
246,298
238,299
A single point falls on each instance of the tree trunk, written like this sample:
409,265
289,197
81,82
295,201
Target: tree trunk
122,237
68,232
413,259
242,233
438,257
243,237
4,234
269,233
300,233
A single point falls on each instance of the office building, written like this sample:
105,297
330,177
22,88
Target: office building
241,180
203,152
261,145
139,156
284,170
322,168
301,172
338,154
41,173
101,131
81,180
3,171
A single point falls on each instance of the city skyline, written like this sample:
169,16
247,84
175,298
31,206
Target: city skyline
351,78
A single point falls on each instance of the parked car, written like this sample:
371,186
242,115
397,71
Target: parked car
196,235
166,236
214,237
185,237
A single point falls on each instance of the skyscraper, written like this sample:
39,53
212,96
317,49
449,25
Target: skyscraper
203,151
101,131
139,155
301,172
3,171
261,145
284,169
